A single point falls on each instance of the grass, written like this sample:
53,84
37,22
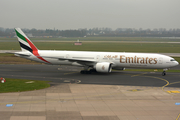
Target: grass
177,59
12,59
100,46
19,85
149,39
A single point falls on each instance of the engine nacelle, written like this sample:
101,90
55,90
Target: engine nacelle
104,67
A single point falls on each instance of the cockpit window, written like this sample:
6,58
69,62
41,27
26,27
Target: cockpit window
172,60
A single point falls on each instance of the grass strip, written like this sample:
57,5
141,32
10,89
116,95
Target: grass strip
100,38
12,59
19,85
100,46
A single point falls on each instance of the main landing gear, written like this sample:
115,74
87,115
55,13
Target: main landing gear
164,72
87,71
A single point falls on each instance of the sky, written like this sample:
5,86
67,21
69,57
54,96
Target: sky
75,14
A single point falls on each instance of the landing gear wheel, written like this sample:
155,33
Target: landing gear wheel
92,70
88,72
163,73
85,72
82,72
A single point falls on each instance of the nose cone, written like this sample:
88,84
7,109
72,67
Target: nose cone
174,63
177,63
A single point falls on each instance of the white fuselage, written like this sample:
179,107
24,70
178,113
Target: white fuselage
118,59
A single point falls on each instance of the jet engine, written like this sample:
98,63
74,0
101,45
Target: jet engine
104,67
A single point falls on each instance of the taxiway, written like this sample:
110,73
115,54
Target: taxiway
119,95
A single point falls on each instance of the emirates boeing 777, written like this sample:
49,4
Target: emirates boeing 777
93,61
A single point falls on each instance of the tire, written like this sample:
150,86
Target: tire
85,72
82,72
92,70
163,73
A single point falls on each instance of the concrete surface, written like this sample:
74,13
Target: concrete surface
141,96
87,102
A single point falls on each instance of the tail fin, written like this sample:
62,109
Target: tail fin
27,45
25,42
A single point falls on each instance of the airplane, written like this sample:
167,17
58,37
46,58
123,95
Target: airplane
102,62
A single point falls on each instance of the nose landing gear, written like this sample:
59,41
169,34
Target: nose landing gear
164,72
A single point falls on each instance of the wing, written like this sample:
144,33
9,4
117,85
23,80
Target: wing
78,60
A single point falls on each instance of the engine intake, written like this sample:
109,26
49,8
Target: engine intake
103,67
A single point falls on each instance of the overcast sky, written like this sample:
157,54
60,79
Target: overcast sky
74,14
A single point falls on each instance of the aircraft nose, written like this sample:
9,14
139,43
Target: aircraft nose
175,63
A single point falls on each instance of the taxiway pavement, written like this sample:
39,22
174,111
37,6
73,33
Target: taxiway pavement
61,74
119,95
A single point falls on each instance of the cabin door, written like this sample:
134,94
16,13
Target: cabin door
160,61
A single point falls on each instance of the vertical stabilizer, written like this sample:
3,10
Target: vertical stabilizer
27,45
25,42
